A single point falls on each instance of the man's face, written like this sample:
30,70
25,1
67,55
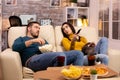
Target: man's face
34,30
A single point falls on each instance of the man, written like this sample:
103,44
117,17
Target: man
33,58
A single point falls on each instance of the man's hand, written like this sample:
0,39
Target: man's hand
39,40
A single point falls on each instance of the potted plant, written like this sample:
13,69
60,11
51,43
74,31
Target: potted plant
73,2
93,75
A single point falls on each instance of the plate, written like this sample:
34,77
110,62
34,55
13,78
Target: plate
101,71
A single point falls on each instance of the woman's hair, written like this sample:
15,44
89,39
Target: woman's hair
15,21
71,27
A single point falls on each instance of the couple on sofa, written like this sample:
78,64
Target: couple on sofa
34,59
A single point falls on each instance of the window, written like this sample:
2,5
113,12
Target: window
116,19
103,18
109,19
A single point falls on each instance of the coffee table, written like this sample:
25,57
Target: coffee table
53,73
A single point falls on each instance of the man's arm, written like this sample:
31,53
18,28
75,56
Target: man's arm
39,40
18,45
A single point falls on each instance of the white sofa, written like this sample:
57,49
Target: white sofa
11,63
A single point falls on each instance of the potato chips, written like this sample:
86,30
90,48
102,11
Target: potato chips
72,72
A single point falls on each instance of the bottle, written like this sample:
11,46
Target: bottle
91,59
60,61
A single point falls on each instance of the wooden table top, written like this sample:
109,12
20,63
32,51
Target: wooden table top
53,73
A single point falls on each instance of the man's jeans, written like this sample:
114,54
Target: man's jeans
42,61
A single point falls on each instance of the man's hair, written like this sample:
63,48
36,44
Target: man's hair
31,23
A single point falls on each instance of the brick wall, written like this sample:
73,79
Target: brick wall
39,7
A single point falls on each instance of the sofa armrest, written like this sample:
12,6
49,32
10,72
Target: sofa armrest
11,65
114,57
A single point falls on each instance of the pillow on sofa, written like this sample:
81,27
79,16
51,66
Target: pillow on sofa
46,48
28,73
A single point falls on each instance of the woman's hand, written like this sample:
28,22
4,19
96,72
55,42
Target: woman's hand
75,37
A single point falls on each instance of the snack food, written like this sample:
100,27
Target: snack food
100,71
86,71
46,48
72,73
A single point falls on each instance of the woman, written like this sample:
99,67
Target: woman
72,39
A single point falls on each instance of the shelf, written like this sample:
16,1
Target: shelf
73,14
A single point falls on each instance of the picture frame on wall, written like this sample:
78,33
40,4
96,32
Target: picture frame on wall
55,3
10,2
45,21
83,3
28,18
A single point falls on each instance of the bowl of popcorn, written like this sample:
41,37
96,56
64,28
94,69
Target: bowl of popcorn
72,73
46,48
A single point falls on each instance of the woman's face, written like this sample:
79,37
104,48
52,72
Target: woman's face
66,29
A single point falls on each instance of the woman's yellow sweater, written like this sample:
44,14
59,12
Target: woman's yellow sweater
78,44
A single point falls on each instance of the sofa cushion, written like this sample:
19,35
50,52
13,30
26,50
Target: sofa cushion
11,65
15,32
89,33
114,57
28,73
47,32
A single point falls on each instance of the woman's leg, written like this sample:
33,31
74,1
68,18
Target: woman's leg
45,60
85,60
102,46
74,57
103,57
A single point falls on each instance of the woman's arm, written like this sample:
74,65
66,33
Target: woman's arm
66,44
79,44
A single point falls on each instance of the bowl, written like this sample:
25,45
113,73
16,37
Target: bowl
71,73
68,78
46,48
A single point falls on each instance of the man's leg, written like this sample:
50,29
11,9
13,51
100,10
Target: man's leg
74,57
45,60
